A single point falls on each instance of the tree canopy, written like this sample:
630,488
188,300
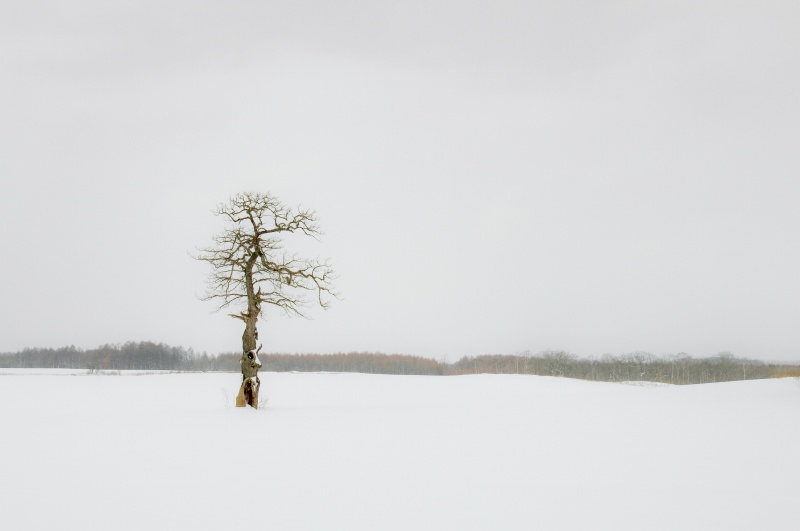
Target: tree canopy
250,267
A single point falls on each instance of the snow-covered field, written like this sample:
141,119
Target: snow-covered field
353,452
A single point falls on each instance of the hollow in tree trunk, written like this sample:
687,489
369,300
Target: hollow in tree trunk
251,384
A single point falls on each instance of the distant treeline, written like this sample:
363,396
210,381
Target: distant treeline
676,369
353,362
130,356
146,355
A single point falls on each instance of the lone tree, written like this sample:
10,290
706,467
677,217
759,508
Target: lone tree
250,269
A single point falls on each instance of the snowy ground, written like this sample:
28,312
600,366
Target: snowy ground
352,452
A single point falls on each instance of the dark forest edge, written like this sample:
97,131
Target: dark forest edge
674,369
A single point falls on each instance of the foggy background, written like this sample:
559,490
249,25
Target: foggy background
492,177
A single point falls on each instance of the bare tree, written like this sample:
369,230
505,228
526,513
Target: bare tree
251,269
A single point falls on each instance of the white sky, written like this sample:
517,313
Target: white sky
492,177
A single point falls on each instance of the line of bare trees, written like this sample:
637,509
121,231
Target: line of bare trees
159,356
144,355
639,366
363,362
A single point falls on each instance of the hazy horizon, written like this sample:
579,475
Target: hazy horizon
606,356
491,177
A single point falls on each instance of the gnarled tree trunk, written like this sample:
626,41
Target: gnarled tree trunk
251,384
249,362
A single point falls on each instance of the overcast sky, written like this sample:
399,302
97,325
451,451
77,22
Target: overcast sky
492,177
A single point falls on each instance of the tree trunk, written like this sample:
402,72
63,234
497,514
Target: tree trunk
251,384
248,392
250,336
249,362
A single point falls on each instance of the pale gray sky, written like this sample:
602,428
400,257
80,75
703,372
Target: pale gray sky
493,177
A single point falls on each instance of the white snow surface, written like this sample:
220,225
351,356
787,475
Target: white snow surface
372,452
